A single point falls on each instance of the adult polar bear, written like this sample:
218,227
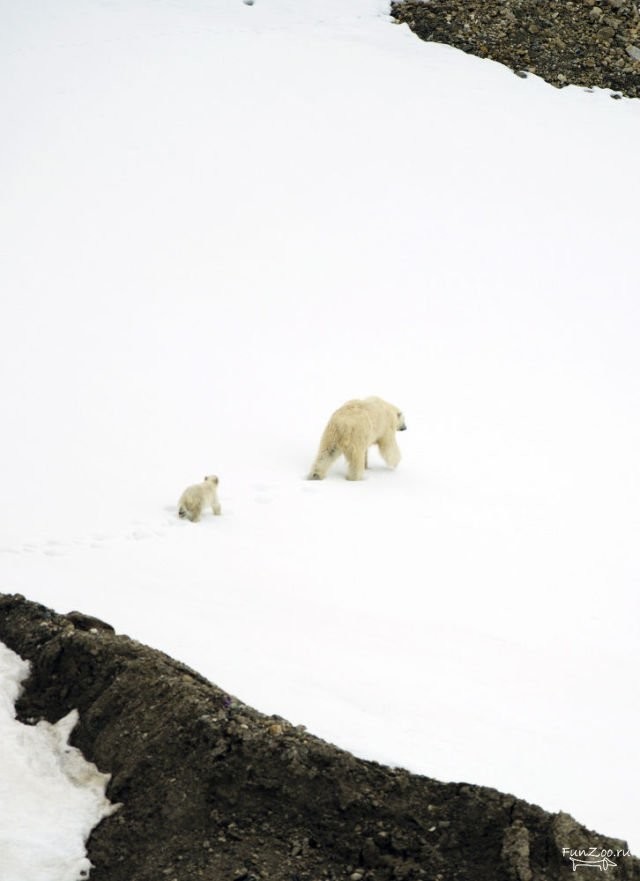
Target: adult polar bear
352,429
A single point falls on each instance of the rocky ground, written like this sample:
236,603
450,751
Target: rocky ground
579,42
211,789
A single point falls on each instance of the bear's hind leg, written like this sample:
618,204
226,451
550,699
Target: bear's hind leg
325,460
356,461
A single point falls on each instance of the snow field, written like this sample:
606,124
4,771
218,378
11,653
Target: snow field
221,222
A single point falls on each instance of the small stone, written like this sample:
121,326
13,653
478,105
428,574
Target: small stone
356,876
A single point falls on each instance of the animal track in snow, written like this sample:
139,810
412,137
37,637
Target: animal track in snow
263,493
97,541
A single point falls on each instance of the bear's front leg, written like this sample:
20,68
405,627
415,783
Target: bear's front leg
390,451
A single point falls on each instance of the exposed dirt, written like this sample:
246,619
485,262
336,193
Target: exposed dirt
584,42
212,789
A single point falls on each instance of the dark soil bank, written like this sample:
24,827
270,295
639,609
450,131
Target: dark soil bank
212,789
584,42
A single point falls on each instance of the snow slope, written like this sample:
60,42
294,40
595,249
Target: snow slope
50,797
222,221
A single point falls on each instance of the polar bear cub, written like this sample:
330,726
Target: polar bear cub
352,429
195,497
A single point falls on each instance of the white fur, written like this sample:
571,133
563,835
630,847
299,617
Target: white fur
195,497
352,429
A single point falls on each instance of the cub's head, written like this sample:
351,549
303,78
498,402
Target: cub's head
211,478
401,425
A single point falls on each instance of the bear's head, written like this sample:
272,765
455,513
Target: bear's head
211,478
392,413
